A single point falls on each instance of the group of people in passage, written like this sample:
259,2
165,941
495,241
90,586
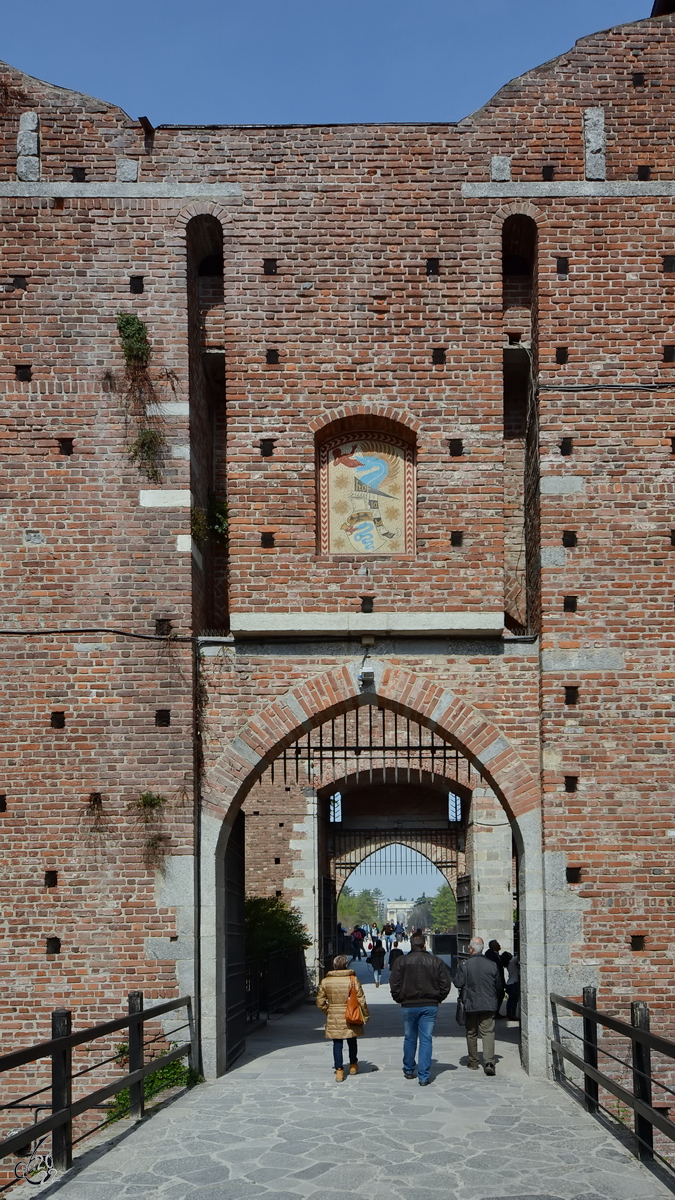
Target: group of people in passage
419,982
390,933
509,968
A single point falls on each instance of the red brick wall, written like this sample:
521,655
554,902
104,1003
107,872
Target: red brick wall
351,214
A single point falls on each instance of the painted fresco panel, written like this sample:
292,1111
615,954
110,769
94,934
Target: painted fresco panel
367,495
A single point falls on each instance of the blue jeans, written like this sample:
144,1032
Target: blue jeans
418,1023
388,941
337,1051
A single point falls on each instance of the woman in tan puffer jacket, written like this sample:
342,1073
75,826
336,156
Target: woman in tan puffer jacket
331,998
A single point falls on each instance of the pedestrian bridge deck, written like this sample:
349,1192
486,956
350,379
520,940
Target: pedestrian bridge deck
278,1127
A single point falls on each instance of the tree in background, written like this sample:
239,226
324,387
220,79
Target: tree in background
444,910
271,925
420,915
357,908
381,905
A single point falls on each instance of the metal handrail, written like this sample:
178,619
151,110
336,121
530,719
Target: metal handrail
59,1048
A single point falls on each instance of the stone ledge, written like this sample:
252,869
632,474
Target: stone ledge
541,191
136,191
337,624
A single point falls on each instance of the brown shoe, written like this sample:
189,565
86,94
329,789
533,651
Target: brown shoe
339,1075
353,1068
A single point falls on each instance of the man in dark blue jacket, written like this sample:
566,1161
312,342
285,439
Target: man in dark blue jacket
478,981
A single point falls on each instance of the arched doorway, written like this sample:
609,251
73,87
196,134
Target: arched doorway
400,883
292,732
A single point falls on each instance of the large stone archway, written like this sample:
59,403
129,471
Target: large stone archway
307,706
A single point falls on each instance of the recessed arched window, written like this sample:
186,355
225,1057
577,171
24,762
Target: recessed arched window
519,255
366,493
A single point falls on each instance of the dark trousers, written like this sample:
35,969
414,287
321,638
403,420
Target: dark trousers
337,1051
356,949
513,993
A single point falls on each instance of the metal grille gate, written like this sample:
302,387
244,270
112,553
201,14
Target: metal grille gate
372,740
347,848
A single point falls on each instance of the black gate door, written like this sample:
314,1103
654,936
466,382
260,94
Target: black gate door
329,946
464,921
235,949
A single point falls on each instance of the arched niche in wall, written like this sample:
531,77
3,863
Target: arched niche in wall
206,344
519,257
366,488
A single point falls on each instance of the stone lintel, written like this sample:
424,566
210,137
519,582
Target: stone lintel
337,624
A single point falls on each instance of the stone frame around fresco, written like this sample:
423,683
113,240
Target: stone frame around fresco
407,447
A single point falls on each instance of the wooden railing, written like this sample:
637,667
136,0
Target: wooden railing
59,1049
639,1097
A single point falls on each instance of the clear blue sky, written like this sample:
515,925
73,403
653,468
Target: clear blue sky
393,886
295,61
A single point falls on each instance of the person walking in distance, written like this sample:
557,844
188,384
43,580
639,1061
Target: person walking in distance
512,966
388,932
394,953
478,980
419,983
376,960
332,998
492,954
357,943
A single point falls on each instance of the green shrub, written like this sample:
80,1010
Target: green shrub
174,1074
271,925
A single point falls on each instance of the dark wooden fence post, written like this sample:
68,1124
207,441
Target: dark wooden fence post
642,1082
193,1059
590,1051
62,1070
136,1090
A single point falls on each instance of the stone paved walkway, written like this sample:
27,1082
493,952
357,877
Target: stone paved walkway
278,1127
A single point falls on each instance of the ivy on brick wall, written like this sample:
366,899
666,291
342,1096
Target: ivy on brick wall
147,444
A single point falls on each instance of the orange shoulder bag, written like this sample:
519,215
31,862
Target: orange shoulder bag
353,1014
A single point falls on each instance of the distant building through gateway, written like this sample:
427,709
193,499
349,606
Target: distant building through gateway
399,910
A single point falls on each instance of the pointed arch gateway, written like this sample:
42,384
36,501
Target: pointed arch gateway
289,717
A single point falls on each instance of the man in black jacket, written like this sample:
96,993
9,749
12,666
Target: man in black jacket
493,955
419,983
478,981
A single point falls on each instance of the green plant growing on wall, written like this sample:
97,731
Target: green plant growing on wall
217,518
149,809
155,850
93,819
210,524
149,805
147,452
174,1074
199,525
134,337
147,448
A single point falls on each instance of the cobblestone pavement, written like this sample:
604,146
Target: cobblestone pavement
278,1127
